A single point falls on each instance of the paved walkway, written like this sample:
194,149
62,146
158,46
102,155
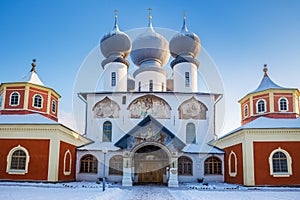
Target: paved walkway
148,193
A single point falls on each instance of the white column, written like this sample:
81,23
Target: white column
173,174
127,180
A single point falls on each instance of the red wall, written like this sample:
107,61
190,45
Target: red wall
33,91
9,90
38,162
257,98
288,96
63,148
262,151
239,178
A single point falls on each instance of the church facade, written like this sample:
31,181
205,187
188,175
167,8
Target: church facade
153,127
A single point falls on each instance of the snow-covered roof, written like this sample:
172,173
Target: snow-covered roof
100,146
26,119
33,78
268,123
201,148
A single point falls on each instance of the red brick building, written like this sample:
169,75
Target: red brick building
34,145
264,150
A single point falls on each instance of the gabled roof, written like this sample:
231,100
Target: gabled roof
268,123
149,129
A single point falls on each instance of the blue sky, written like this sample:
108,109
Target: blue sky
239,35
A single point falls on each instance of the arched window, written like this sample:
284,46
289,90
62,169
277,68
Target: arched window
213,166
53,107
107,131
17,161
246,111
185,166
116,165
151,85
89,164
67,163
14,99
232,164
261,106
190,133
283,104
280,163
38,101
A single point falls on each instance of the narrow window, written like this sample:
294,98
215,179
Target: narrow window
37,101
140,85
113,79
123,99
246,111
14,99
187,79
213,166
151,85
1,102
283,104
162,87
116,165
89,164
185,166
53,106
261,106
107,131
232,164
190,133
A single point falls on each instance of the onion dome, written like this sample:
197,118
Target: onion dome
115,46
185,46
150,46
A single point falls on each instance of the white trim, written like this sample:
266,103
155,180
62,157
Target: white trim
289,163
232,174
9,158
265,106
70,163
287,104
33,101
18,98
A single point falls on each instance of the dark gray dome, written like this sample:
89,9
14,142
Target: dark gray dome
185,43
150,46
115,42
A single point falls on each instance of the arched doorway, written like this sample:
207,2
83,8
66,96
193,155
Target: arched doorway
150,164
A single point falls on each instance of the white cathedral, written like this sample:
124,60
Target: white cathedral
153,127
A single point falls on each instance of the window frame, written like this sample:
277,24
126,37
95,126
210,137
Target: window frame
190,131
107,131
66,173
92,164
187,79
213,164
150,85
286,104
113,79
230,172
265,106
117,169
246,110
11,96
34,101
288,160
9,160
53,106
182,161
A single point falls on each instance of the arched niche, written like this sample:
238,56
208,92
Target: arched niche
106,108
192,109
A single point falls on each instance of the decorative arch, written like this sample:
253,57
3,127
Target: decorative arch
280,163
116,165
106,108
192,109
14,99
149,105
261,106
283,104
185,166
213,166
232,164
17,160
67,163
89,164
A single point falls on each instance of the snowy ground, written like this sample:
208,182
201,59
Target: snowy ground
93,191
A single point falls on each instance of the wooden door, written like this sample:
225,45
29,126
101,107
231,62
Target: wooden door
151,173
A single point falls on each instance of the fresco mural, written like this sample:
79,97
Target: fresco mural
192,109
106,108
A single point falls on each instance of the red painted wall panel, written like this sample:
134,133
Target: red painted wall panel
262,151
38,162
63,148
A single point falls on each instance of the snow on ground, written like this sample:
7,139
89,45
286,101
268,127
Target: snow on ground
93,191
